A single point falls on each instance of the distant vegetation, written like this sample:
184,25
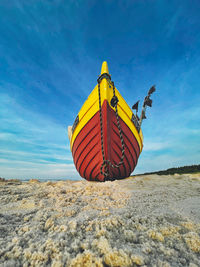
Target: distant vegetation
179,170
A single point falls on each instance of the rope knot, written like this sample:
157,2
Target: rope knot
114,101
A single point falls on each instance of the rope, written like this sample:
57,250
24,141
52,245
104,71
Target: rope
114,102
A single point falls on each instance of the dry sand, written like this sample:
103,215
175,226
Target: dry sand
141,221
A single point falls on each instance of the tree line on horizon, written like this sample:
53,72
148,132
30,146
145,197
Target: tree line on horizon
179,170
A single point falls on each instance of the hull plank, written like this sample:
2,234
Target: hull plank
86,150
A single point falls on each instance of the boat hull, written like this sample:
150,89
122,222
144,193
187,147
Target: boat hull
96,145
87,153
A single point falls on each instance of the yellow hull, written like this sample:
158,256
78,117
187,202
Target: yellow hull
91,107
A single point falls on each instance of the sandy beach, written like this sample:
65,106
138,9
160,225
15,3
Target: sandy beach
141,221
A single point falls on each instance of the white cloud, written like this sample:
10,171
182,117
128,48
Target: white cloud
40,171
47,154
155,146
171,25
32,144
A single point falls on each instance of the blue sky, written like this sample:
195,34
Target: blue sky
50,57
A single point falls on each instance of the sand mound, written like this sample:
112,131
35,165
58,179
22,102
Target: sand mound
146,220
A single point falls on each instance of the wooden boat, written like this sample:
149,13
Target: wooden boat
106,138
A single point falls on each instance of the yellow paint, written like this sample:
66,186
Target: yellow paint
91,107
104,68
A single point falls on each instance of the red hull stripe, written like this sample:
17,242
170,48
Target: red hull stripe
133,141
87,152
132,152
126,164
87,131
